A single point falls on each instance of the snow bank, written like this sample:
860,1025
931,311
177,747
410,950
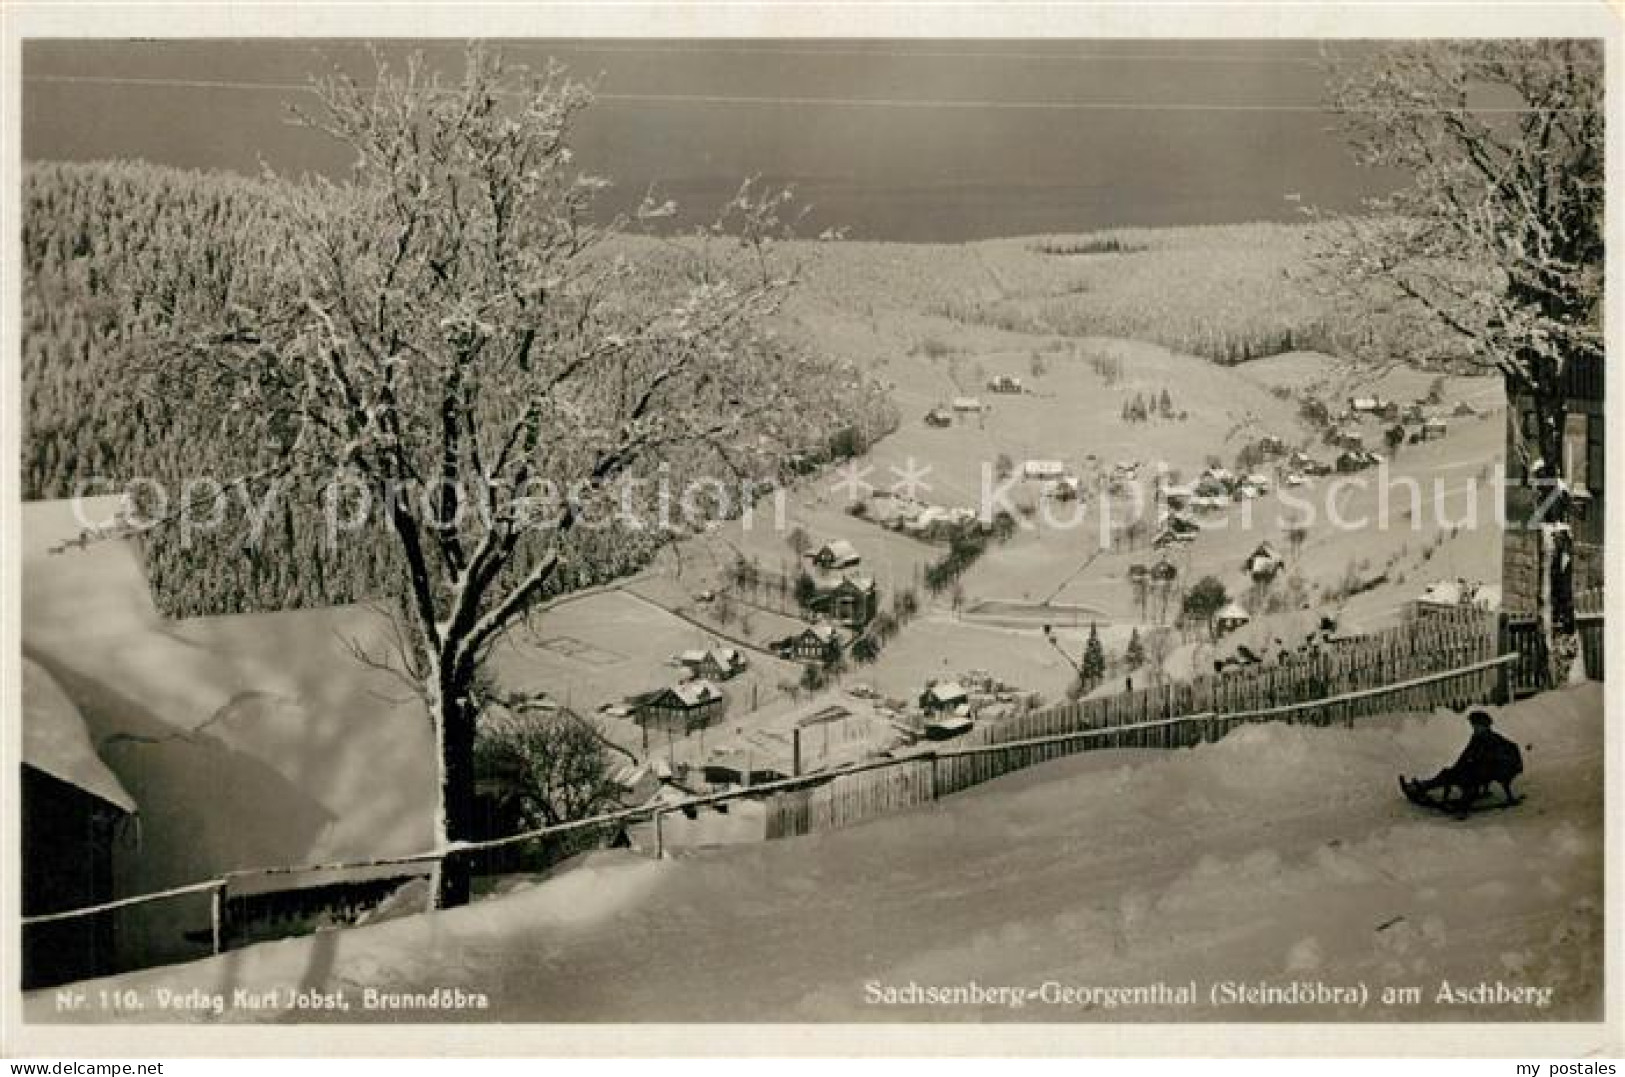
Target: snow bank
1279,855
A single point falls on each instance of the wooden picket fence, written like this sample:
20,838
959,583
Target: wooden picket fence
1448,660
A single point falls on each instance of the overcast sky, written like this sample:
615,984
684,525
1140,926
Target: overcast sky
915,140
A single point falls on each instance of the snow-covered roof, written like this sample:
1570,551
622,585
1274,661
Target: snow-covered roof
967,403
1233,612
56,741
1033,468
1441,593
694,693
946,691
839,550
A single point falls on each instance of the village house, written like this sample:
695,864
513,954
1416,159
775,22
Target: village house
939,417
927,519
1442,596
1164,571
968,405
851,600
1230,618
1004,383
1263,563
1270,445
837,553
1065,488
943,696
714,664
1524,562
736,766
1177,497
1043,469
1433,429
1351,460
679,709
73,809
815,643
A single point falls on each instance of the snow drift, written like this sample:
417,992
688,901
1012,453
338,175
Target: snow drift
1278,856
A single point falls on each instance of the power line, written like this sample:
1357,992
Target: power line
803,101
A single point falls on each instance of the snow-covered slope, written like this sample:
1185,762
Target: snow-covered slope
245,741
1279,855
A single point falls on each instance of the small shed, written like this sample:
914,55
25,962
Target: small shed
939,417
714,664
1043,469
944,696
968,404
837,553
1230,618
1263,563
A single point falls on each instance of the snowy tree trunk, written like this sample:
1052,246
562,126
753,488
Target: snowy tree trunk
454,810
1556,587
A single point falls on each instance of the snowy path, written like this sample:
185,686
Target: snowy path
1279,854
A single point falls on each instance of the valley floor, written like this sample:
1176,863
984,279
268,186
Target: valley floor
1278,856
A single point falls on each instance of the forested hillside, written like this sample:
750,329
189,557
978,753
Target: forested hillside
115,256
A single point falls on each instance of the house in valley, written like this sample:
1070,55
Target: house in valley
715,663
1043,469
850,600
815,643
944,697
837,553
1230,618
1263,563
679,709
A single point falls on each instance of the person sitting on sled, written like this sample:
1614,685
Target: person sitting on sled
1488,757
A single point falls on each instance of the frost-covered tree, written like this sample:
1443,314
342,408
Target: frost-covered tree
1497,237
1134,655
453,335
1093,670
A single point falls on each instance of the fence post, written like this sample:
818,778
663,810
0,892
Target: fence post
660,836
933,775
217,901
1503,683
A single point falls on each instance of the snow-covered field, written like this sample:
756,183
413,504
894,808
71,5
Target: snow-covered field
1278,856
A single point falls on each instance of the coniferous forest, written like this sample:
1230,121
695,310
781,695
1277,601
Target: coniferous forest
114,256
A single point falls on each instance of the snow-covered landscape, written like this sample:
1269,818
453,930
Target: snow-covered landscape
1024,613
